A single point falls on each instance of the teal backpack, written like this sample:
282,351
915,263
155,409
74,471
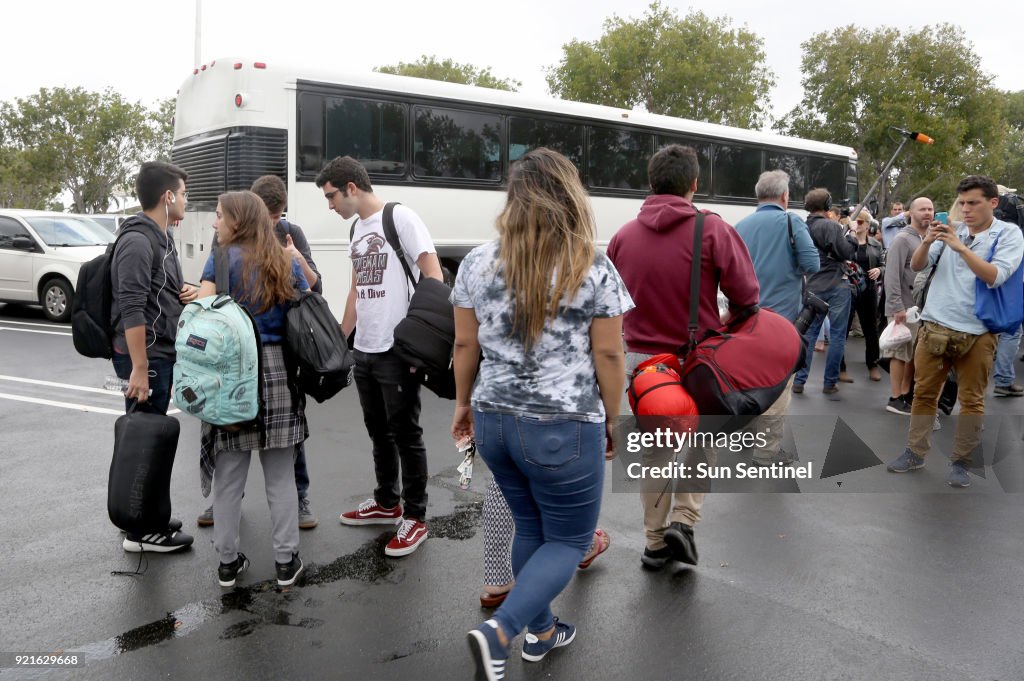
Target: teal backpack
217,370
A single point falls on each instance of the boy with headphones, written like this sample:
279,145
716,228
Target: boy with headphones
148,294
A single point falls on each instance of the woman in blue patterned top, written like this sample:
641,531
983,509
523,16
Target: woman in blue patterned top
545,308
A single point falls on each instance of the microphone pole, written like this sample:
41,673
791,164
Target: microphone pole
907,136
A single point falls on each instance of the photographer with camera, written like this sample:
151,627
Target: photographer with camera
782,252
828,284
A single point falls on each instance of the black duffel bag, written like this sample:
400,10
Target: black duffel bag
425,339
139,486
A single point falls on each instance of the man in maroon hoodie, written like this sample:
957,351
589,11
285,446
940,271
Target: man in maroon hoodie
653,254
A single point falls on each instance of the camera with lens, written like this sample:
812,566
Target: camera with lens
813,306
845,211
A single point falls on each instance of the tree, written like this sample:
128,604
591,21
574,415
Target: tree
1013,175
26,175
858,83
695,67
94,142
161,119
451,72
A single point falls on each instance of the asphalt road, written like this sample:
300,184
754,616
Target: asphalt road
882,577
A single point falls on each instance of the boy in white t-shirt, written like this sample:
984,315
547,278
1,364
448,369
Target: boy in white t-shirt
388,392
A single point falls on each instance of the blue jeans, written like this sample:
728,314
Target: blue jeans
1006,355
838,299
551,471
161,371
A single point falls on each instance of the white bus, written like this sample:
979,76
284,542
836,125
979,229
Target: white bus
444,150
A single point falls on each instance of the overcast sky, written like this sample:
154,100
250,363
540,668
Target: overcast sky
145,49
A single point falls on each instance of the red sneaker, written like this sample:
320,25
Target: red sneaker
372,513
410,535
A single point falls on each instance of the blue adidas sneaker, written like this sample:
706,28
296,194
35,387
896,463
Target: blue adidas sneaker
535,649
488,652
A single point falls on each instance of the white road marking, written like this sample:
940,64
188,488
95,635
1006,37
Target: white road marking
45,326
63,405
68,386
52,333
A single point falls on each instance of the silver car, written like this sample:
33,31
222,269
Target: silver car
40,255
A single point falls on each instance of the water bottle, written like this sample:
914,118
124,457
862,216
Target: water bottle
115,385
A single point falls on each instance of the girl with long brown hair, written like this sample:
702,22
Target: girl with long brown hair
265,280
546,310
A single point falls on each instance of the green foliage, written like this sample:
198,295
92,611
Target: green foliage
1013,174
694,67
161,120
858,82
451,72
26,176
88,144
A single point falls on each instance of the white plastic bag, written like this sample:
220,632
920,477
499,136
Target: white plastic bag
893,336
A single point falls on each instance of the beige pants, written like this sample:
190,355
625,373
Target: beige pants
930,371
663,503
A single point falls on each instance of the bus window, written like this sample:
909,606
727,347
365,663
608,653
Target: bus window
796,167
371,132
618,158
456,144
735,171
311,133
703,150
828,173
525,134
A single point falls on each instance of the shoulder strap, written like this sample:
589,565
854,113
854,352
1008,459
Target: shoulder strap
391,234
995,242
154,241
222,270
695,263
792,239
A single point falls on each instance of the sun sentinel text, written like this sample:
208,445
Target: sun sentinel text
675,470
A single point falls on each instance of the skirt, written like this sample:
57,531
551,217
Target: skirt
283,419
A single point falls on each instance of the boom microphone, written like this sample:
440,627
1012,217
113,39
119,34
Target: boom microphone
916,136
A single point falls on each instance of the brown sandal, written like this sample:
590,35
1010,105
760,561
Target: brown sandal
489,600
601,542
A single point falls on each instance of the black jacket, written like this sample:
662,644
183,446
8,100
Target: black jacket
145,287
833,248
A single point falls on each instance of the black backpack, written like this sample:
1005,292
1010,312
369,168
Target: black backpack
1010,209
91,326
319,357
425,339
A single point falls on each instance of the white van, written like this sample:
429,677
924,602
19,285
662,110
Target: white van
40,255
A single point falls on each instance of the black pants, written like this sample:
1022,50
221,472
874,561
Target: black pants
866,309
390,397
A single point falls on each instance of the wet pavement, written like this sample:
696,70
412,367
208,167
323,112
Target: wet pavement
881,577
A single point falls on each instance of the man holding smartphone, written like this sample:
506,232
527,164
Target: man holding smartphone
951,335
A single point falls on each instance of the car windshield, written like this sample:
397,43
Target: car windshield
108,222
59,230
